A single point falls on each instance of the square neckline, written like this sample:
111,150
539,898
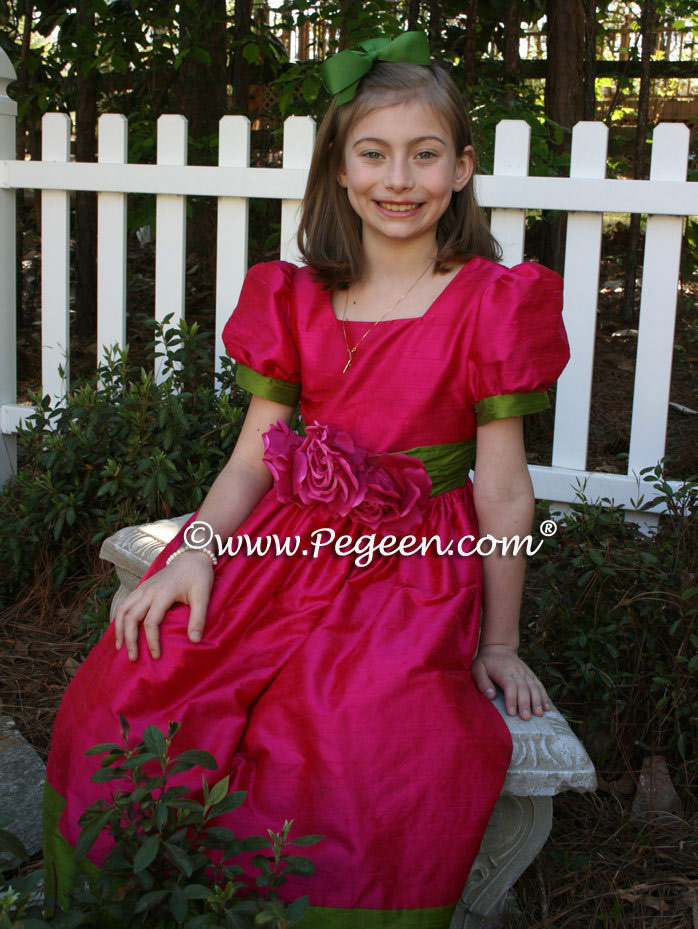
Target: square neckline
401,319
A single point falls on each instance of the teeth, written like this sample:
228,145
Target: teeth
399,207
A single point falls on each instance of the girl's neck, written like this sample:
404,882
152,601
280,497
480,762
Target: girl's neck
396,260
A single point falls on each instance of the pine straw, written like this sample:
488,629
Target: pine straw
40,650
602,868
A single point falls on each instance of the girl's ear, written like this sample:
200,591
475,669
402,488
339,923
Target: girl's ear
342,176
465,166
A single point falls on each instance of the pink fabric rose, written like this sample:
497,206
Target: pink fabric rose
398,486
321,467
326,466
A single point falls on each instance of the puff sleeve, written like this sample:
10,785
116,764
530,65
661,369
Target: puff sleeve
258,334
519,347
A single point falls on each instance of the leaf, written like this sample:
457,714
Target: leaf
218,791
149,900
104,747
89,835
11,844
197,892
106,774
179,858
263,863
179,905
137,760
195,756
296,910
146,853
254,842
295,864
306,840
154,741
231,802
310,88
161,817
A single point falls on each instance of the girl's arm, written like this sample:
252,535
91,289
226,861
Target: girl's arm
505,505
233,496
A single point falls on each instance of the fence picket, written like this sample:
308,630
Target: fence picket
582,265
299,138
231,257
111,239
512,143
55,263
170,228
660,278
8,283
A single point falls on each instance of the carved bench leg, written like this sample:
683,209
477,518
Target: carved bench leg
516,833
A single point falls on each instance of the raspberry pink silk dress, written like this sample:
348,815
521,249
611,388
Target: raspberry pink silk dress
339,694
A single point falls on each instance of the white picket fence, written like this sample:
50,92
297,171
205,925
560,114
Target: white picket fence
586,195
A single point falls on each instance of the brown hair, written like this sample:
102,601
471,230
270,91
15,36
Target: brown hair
329,235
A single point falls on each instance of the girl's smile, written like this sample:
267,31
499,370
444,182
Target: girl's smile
400,169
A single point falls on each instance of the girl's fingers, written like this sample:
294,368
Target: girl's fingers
482,680
151,626
197,617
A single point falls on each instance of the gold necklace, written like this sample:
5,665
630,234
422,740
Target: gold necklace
350,351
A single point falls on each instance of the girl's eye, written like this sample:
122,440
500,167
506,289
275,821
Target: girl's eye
372,155
426,155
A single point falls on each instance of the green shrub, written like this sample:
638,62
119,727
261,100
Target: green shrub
121,449
616,639
160,871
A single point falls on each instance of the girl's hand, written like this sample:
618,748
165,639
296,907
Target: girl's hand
499,664
187,580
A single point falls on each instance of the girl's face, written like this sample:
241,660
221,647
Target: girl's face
400,168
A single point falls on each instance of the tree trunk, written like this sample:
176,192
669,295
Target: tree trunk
435,23
646,32
590,60
21,143
86,201
200,95
241,68
470,46
512,35
564,96
413,15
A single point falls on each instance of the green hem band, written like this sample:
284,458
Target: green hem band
60,868
328,917
510,405
270,388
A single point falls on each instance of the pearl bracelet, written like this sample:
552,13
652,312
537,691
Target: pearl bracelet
188,548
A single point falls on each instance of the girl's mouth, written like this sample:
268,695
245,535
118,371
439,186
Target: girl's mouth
398,207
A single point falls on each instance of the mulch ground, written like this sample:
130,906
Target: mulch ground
600,868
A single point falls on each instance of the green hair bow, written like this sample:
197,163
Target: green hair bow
342,72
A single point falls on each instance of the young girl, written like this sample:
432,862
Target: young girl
350,692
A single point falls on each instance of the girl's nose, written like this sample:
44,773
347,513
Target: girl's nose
399,176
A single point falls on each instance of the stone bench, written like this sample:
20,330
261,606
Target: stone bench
547,759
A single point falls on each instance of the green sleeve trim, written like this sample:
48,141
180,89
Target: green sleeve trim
60,868
510,405
269,387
